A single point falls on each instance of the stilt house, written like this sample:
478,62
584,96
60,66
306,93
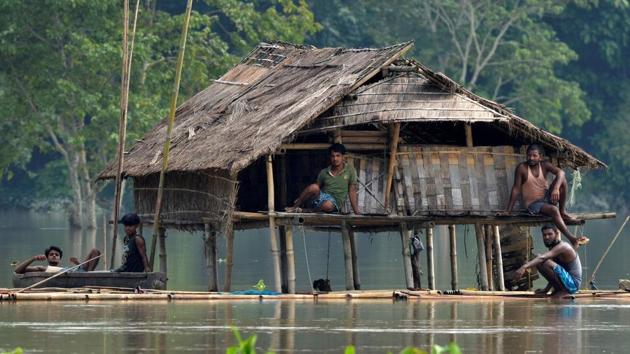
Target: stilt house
427,152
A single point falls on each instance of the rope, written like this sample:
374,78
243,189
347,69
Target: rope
608,249
308,268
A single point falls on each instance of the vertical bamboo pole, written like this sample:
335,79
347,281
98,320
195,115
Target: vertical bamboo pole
488,241
481,257
355,266
499,257
163,265
275,251
229,258
430,262
405,240
469,137
393,150
453,247
105,243
210,248
169,131
347,256
283,259
288,232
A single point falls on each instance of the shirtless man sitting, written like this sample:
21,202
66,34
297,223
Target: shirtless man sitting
530,181
334,184
53,256
560,265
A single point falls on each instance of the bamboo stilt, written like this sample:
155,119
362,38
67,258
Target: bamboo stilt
169,132
453,249
393,150
488,243
163,264
355,266
229,258
481,257
499,258
430,262
469,137
273,237
288,233
283,258
210,248
405,240
347,256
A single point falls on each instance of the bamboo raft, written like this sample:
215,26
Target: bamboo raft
86,294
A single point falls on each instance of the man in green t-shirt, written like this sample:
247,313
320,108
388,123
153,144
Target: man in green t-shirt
334,184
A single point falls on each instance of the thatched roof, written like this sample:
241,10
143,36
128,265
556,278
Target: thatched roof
271,94
280,88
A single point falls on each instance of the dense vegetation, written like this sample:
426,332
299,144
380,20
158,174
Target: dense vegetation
562,65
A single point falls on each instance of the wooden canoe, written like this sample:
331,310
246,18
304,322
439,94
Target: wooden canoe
155,280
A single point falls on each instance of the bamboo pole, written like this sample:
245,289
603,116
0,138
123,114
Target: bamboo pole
453,248
481,257
355,266
347,256
275,251
210,248
163,264
499,257
488,243
430,262
288,232
284,278
229,258
405,240
169,131
393,150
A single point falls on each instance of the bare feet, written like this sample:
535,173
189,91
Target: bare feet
569,219
580,241
559,294
293,209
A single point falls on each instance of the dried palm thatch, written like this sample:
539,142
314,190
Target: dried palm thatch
262,101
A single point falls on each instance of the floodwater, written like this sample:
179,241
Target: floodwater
516,326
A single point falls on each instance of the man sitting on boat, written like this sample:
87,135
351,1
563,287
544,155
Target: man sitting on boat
530,181
134,257
560,265
334,184
53,256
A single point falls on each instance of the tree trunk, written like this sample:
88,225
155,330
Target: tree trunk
89,192
75,210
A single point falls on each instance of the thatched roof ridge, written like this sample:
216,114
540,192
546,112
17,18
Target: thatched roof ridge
276,90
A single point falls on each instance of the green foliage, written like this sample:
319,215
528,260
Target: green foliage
61,62
244,346
17,350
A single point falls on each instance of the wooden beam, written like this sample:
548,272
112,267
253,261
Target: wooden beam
481,257
393,150
347,256
453,249
499,258
229,258
273,237
430,262
325,146
469,137
405,240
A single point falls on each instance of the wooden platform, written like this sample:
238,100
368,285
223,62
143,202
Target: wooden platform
112,294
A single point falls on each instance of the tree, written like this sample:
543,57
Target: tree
502,50
60,70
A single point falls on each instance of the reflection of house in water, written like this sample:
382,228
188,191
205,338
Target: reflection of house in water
427,152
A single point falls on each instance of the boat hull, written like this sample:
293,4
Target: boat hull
155,280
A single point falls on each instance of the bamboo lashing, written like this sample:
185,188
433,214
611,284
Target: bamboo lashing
169,131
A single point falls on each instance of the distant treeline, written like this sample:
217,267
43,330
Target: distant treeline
562,65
